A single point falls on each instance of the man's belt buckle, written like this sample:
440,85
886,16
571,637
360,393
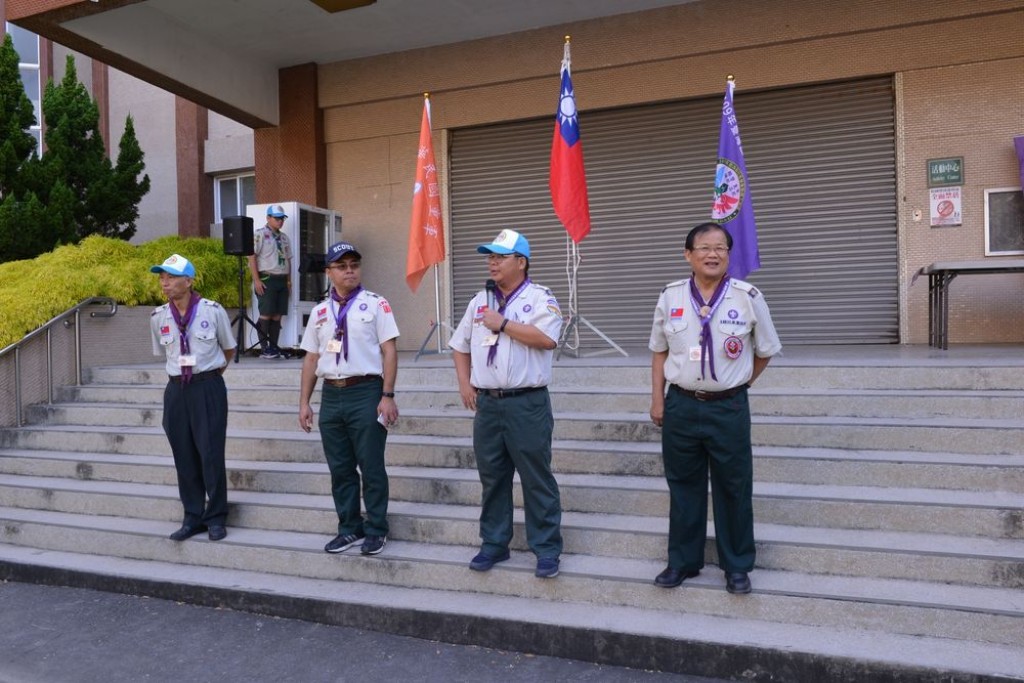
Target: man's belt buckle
701,395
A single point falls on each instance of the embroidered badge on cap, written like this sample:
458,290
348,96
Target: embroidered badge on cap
733,347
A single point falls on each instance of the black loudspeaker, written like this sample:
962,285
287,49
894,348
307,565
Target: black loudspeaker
238,235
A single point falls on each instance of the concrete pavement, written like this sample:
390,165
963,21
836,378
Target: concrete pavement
64,635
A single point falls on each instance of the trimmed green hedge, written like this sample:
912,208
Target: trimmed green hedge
34,291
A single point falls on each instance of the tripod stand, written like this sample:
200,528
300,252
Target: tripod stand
241,318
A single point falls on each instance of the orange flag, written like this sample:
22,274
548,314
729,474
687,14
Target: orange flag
426,227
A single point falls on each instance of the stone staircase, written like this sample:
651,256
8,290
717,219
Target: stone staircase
889,502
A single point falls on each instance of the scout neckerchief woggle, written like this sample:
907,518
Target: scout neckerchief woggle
183,323
706,311
341,319
503,302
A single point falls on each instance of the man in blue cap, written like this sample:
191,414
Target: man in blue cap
270,266
350,343
503,351
195,336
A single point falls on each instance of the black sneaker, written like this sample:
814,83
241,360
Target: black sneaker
341,543
484,562
373,545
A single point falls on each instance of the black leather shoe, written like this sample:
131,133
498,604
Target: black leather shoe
187,531
670,578
737,582
217,532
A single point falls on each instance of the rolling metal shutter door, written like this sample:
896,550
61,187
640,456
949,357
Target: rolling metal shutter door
822,170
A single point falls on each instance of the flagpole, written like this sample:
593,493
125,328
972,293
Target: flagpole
437,325
574,214
427,244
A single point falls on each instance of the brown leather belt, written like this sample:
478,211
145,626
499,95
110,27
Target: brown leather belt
508,393
196,377
702,395
349,381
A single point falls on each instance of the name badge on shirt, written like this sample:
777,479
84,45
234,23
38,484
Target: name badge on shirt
489,340
695,353
334,346
187,361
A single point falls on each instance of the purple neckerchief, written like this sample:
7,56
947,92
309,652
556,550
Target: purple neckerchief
503,302
183,323
341,319
710,307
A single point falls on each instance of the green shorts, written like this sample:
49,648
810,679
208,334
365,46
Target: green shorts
275,295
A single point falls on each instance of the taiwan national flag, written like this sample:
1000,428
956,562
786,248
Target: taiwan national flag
568,181
732,207
426,227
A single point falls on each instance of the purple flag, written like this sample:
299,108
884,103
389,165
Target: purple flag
732,207
1018,143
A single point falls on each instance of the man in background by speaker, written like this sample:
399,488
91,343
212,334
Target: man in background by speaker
271,267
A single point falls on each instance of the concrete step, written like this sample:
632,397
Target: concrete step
645,638
938,373
987,615
993,514
855,467
852,552
768,402
964,435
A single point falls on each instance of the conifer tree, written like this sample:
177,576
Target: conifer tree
16,118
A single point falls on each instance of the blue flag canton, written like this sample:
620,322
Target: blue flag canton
568,121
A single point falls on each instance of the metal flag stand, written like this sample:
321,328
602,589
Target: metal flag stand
437,324
570,340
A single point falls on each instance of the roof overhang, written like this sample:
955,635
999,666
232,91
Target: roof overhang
227,54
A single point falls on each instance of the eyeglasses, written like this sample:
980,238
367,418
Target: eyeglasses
347,265
499,257
704,250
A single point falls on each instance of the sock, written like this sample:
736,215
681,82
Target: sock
275,333
264,333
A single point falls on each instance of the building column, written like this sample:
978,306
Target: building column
291,160
195,188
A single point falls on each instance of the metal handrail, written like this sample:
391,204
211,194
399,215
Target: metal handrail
64,318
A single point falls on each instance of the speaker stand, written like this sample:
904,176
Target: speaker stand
241,318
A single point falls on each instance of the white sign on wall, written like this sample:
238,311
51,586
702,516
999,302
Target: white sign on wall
945,204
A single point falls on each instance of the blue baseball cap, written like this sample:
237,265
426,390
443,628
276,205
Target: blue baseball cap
339,249
176,265
277,211
507,242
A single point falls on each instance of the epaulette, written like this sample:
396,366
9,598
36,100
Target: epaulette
542,288
158,310
373,294
677,283
211,302
745,286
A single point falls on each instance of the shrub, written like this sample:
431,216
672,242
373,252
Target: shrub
34,291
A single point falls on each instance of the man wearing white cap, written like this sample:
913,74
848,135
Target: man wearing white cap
350,342
503,350
194,334
270,266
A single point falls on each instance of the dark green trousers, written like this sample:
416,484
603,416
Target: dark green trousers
352,438
514,434
698,436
